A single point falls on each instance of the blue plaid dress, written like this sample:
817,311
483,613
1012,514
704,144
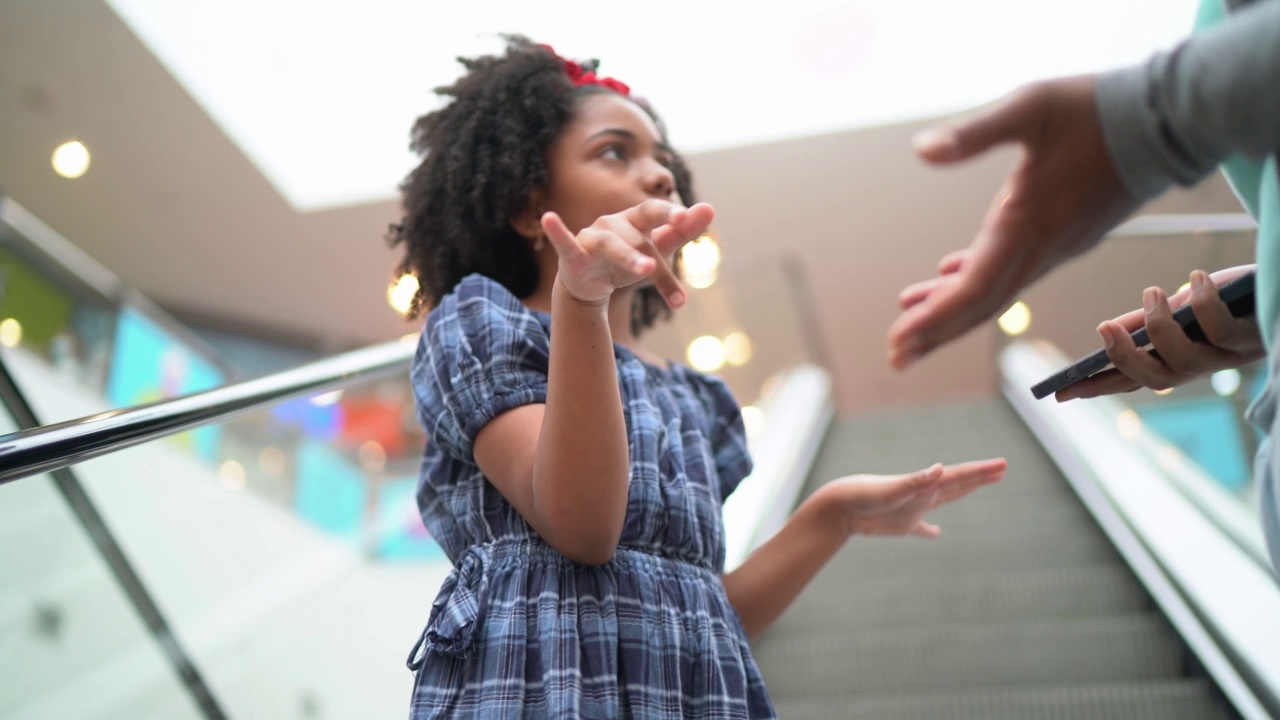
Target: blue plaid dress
520,631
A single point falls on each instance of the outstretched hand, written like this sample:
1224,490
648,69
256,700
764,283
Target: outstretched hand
622,249
897,504
1230,342
1059,200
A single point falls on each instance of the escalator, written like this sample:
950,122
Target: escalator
1021,609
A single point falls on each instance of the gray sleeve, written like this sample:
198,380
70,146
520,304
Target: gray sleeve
1176,116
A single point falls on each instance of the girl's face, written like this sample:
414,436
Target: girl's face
608,158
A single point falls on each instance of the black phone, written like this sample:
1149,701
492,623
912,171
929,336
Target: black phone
1237,294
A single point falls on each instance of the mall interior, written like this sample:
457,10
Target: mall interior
210,449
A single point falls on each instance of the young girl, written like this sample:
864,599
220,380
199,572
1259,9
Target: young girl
574,480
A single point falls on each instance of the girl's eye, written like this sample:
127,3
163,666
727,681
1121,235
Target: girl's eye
614,151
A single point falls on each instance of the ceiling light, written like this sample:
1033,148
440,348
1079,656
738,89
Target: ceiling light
706,353
232,474
10,332
700,281
1016,319
737,348
400,294
71,159
701,256
1225,382
1129,425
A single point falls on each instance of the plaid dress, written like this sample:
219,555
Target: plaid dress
520,631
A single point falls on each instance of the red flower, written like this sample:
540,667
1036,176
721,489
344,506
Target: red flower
580,76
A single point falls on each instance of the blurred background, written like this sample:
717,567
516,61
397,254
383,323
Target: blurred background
194,194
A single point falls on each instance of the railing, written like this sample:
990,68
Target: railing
1209,579
63,444
1167,475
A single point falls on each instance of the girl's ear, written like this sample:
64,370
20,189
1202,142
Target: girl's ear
528,222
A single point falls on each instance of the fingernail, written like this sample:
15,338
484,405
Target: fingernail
676,298
1197,281
934,138
1149,300
1105,332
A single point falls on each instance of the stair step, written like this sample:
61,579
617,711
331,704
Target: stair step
848,604
956,556
1152,700
1110,649
977,515
1022,609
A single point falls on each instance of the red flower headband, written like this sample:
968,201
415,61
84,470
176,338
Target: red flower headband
580,75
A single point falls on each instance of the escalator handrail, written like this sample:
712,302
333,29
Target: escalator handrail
58,445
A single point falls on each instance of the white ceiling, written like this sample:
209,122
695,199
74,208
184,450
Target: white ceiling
319,94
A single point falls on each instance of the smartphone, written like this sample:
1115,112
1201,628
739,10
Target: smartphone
1237,294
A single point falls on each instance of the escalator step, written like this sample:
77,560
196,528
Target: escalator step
1151,700
1039,593
995,551
1110,649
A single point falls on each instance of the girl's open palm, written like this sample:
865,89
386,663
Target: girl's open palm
896,504
620,250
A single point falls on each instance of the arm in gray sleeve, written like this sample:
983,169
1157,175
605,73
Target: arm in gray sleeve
1175,117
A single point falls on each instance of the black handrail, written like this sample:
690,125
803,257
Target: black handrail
40,450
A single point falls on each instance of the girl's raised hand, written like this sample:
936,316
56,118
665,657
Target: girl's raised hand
620,250
896,504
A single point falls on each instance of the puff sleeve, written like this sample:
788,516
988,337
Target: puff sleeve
481,354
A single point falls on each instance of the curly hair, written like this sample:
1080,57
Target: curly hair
483,154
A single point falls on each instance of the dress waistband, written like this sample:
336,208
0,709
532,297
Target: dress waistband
532,550
460,606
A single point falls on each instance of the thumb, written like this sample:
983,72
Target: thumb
954,142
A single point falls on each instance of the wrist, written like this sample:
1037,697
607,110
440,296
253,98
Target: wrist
826,513
560,292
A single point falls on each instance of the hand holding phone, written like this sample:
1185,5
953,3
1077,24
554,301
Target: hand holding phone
1088,377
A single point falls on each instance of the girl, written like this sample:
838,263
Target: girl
574,480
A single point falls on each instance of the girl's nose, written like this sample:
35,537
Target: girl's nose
659,180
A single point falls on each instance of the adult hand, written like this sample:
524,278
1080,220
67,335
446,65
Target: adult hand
896,504
1229,341
1060,199
622,249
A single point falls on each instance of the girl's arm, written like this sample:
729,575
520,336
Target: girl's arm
565,465
773,576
